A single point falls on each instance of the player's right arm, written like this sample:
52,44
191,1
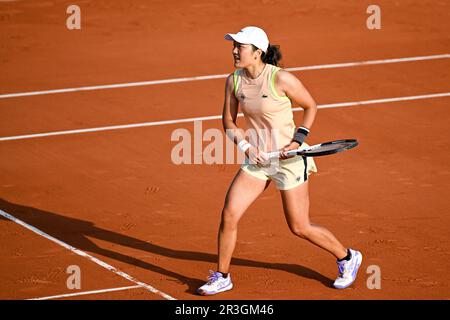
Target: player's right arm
230,111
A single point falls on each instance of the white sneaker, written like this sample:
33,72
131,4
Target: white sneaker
216,284
348,270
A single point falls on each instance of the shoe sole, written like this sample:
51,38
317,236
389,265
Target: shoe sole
211,293
358,264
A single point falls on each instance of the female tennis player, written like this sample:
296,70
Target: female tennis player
265,94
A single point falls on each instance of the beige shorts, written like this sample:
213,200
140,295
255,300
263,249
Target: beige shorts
286,174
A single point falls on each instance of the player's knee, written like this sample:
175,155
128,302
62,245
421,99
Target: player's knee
230,218
301,230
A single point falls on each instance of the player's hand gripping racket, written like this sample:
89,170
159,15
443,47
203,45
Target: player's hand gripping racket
321,149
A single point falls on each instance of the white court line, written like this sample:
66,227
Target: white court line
85,293
220,76
86,255
165,122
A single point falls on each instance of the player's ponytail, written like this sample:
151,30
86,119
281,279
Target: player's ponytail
272,56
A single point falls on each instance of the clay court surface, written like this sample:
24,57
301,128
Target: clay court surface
117,196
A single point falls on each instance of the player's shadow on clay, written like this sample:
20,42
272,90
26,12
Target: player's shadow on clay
77,233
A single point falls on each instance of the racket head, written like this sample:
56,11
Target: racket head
329,147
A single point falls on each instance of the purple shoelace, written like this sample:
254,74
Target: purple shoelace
214,276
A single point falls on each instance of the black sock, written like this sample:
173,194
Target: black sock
347,257
225,275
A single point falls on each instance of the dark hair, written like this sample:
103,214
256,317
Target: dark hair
272,56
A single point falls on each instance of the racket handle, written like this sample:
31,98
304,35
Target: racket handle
276,154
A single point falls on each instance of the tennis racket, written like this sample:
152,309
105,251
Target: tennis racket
321,149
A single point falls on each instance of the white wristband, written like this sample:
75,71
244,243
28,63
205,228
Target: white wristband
244,145
304,128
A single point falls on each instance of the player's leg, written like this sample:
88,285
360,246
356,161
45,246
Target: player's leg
296,209
242,192
244,189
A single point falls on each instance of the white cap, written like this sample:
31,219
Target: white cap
250,35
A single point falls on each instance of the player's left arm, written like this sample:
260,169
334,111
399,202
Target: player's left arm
288,84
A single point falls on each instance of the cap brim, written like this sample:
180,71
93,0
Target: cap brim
229,36
236,37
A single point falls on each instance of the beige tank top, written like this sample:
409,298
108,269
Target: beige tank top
269,117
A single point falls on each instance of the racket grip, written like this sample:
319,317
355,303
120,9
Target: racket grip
273,155
276,154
